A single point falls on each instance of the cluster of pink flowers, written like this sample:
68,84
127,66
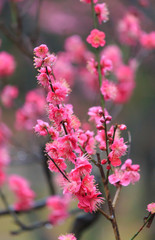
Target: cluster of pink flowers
24,194
125,175
117,145
129,29
65,136
130,32
58,206
111,62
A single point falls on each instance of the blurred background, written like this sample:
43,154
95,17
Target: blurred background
51,22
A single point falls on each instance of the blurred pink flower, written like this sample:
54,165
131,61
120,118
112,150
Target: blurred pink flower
7,64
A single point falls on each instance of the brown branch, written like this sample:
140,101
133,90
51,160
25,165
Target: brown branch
20,43
37,205
104,214
22,226
116,196
109,201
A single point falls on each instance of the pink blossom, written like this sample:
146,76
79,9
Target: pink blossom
119,147
4,156
113,53
57,115
151,208
90,203
60,91
76,48
82,166
106,65
58,206
96,38
43,79
33,108
147,40
122,127
62,147
109,90
7,64
129,29
95,114
126,83
59,162
92,66
9,93
63,68
69,236
127,174
24,195
49,60
41,51
5,133
102,12
114,159
87,141
67,144
41,128
73,185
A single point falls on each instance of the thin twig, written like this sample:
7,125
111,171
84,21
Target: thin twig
9,33
146,221
116,196
104,214
63,174
109,201
22,226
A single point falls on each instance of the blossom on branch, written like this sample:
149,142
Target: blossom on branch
96,38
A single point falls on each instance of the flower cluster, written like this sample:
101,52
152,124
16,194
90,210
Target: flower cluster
68,140
130,32
127,174
117,145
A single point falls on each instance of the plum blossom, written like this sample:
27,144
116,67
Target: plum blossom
147,40
96,38
102,12
151,208
58,206
125,175
129,29
69,236
7,64
24,195
109,90
8,94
